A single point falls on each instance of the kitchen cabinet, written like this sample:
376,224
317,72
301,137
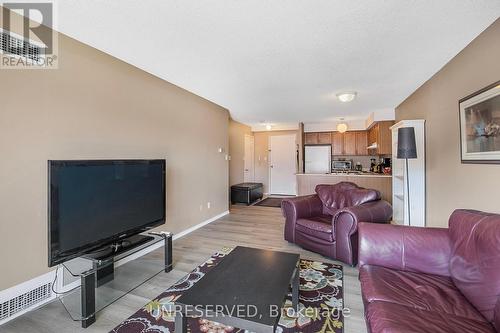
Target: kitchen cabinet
311,138
372,135
325,138
355,143
315,138
380,134
361,143
385,138
350,143
337,143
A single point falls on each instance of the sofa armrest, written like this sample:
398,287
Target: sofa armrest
302,207
413,249
346,219
297,208
345,225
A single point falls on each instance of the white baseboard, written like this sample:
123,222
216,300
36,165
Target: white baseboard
198,226
176,236
15,291
11,293
21,288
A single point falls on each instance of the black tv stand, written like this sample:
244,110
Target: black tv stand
118,247
103,258
110,272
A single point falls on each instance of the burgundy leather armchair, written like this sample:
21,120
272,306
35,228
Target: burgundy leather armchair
432,279
326,222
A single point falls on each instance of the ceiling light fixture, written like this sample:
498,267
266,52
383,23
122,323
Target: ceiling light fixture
268,127
347,96
342,127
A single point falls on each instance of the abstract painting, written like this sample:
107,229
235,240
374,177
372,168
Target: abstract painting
480,126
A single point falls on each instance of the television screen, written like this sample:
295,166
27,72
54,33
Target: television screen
93,203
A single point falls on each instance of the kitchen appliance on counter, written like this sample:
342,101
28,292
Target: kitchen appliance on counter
387,169
382,166
342,165
317,158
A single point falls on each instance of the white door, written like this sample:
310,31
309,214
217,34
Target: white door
282,164
249,171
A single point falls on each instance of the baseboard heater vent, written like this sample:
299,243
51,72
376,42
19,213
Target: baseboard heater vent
19,303
12,45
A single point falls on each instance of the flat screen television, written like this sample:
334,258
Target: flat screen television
93,203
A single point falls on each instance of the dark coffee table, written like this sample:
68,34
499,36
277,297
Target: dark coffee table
246,290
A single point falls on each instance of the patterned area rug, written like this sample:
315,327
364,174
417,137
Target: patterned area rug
321,297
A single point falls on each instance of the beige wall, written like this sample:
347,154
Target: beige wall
95,106
449,183
262,155
237,132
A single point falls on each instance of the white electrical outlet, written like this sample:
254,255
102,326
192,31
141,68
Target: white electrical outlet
208,205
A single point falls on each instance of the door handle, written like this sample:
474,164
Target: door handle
271,166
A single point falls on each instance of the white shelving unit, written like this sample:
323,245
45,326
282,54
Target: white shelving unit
416,170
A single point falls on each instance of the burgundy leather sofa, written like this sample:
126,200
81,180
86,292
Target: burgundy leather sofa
326,222
432,279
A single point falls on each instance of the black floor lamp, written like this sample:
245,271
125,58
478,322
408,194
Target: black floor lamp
407,148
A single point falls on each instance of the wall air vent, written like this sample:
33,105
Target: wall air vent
24,301
12,45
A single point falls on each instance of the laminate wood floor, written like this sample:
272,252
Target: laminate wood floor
253,226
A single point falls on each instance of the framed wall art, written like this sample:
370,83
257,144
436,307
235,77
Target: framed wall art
480,126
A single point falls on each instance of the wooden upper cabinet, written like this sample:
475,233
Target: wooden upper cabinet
325,138
350,143
311,138
373,134
337,143
353,143
361,143
314,138
384,138
381,134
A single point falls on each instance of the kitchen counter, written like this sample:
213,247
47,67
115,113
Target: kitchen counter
364,174
306,182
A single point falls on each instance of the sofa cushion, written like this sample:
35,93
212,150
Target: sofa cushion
318,226
497,316
420,291
344,194
386,317
475,258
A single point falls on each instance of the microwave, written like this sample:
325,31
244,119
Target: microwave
339,165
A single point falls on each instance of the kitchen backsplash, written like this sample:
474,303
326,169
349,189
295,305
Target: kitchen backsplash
364,160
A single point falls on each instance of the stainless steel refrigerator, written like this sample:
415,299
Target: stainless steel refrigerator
318,159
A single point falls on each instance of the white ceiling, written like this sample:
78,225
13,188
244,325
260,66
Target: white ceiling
282,61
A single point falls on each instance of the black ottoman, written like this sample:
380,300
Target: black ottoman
246,192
